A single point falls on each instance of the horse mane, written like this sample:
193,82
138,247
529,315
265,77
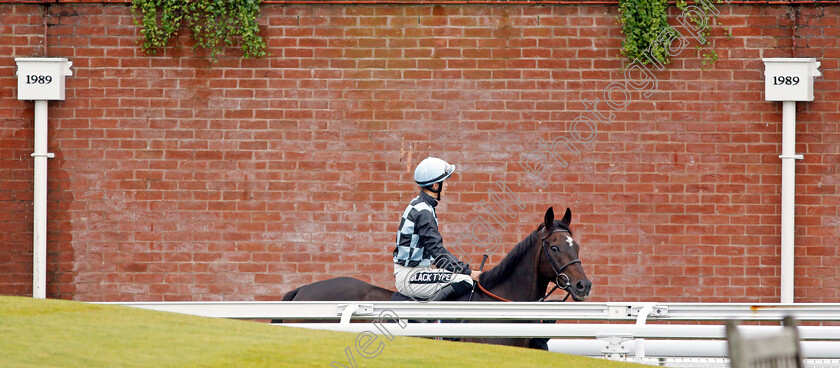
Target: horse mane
502,271
497,274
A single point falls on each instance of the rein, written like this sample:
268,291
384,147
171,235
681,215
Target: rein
558,272
494,296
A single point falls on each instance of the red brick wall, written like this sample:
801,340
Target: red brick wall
175,179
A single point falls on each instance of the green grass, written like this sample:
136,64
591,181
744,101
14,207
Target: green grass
56,333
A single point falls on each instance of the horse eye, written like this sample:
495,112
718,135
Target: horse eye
554,248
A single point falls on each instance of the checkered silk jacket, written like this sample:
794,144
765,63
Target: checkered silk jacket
418,240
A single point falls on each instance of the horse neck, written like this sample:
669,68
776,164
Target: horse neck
523,284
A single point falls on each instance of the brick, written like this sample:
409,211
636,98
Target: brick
260,165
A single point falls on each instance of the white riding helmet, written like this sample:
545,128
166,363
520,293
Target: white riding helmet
432,170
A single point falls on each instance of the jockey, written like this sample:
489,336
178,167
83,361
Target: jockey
419,244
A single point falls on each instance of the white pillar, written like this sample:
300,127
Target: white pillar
41,80
789,80
788,192
39,250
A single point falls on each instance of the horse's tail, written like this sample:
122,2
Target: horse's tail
291,295
287,298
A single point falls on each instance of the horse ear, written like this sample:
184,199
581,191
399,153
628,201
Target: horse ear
567,218
549,218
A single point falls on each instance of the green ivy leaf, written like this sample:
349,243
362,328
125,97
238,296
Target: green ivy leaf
644,20
215,24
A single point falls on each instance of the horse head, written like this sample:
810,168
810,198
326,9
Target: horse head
559,259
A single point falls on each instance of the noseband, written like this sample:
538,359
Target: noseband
558,271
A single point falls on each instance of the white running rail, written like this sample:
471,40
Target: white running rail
618,324
502,311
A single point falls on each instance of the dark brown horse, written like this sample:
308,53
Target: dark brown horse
547,255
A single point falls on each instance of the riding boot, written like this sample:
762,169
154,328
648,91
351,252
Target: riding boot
451,291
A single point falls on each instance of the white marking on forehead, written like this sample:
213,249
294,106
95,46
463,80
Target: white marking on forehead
570,241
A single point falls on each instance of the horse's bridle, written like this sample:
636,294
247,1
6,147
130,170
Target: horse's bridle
558,271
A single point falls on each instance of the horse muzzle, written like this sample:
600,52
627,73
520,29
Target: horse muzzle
580,290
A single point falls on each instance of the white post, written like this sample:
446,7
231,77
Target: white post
41,80
789,80
640,321
788,157
39,262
